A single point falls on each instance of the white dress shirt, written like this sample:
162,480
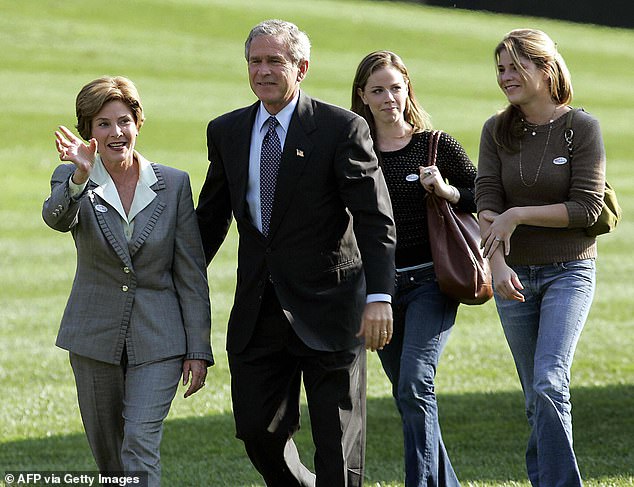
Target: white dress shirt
260,128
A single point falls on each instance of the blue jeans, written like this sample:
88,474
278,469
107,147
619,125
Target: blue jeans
423,318
542,334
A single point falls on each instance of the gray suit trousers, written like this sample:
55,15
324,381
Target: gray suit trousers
123,408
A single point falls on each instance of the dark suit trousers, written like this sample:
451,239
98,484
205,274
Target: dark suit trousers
265,385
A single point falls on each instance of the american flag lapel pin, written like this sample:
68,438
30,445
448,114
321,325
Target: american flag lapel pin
300,153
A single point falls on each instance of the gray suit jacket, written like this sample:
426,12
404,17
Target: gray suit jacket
149,295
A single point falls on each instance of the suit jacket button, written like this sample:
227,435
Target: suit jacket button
126,269
124,288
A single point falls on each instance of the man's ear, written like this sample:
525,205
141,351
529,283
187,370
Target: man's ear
302,70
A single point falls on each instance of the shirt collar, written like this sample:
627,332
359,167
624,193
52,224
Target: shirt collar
147,176
106,189
144,193
283,116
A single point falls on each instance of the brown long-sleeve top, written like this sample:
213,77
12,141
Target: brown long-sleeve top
548,176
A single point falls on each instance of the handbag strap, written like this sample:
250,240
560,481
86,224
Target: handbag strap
432,149
569,133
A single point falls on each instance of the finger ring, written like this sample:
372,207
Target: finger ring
427,172
498,239
384,333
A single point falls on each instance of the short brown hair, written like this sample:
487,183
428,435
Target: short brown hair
97,93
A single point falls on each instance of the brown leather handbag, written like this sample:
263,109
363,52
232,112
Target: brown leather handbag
461,270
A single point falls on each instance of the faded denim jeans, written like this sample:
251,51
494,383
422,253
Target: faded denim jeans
542,334
423,318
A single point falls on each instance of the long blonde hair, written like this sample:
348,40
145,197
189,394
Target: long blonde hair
537,47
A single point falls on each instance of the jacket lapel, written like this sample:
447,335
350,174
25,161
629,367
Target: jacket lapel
110,223
237,170
147,218
144,222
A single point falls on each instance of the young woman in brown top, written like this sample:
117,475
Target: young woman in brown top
534,202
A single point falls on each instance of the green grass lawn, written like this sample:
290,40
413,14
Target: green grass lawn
186,57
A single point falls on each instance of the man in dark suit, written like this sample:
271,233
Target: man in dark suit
315,263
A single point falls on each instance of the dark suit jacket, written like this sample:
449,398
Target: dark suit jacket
151,294
331,237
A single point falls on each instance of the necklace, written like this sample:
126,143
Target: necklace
541,161
533,126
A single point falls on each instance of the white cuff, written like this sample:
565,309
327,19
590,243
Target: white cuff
74,189
378,297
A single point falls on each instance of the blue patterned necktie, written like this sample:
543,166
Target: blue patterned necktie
269,165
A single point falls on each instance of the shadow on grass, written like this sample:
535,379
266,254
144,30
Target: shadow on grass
485,435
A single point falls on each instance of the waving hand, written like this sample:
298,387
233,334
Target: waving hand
72,149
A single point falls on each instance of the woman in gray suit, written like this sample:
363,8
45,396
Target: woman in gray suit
138,315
